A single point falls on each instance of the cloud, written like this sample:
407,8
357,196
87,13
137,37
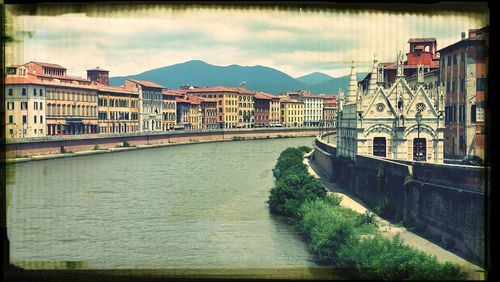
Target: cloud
292,41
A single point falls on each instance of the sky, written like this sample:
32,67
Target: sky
295,41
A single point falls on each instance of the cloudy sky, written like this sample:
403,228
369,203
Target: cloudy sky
295,41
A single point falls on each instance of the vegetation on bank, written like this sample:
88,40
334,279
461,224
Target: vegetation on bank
341,237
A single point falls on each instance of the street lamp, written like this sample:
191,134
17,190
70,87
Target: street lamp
418,118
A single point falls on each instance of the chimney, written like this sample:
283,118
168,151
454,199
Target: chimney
463,35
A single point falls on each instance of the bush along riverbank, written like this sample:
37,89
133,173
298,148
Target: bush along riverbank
339,236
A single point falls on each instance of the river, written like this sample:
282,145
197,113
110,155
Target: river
190,206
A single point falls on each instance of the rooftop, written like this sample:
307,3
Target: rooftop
145,83
421,40
213,89
48,65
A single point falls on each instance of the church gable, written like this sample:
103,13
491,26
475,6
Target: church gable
379,106
421,102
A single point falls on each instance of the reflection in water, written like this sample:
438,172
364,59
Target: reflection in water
196,206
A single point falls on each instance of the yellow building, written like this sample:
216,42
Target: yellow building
227,103
118,109
246,111
292,112
274,110
169,109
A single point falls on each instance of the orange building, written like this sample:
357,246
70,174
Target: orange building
118,109
227,103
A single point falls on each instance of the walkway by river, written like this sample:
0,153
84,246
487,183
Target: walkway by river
199,206
389,230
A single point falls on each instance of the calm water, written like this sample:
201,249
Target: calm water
196,206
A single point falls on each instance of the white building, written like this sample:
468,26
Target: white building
24,107
150,104
383,122
313,110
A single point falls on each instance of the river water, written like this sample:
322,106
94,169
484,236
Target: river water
192,206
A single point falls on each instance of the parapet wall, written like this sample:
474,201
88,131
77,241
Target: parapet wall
55,144
445,203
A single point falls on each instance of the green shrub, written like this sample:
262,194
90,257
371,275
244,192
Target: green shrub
96,147
291,191
237,138
126,144
381,258
63,150
304,149
367,218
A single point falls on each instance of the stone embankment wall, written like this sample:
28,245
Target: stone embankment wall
54,144
445,203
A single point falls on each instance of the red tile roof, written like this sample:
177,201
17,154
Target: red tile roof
21,80
97,69
418,40
262,96
122,89
244,91
174,92
287,100
146,83
212,89
56,66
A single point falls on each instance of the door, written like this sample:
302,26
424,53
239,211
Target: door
379,146
419,149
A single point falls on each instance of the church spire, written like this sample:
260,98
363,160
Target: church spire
374,75
351,93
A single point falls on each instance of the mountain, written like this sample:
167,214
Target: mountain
314,78
257,78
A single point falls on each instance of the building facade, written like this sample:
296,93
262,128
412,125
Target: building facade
24,108
227,104
262,105
150,103
246,108
292,112
397,122
330,112
118,109
169,110
313,110
464,71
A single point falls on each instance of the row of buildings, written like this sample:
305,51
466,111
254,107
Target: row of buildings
41,99
425,107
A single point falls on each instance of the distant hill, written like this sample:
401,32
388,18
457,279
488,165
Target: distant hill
314,78
257,78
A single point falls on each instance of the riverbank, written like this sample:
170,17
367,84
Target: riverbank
388,229
120,148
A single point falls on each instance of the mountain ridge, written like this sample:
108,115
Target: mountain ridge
257,78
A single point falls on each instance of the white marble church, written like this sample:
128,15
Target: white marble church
398,122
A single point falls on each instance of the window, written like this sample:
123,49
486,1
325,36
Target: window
34,91
41,105
473,113
10,105
41,92
10,92
449,60
35,105
11,119
24,92
419,149
480,84
24,105
34,119
41,119
455,59
24,119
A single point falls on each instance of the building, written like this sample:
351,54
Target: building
169,109
189,112
274,110
246,108
397,122
292,112
330,111
464,71
227,103
262,103
150,103
70,101
422,51
208,113
24,107
118,109
313,110
98,75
